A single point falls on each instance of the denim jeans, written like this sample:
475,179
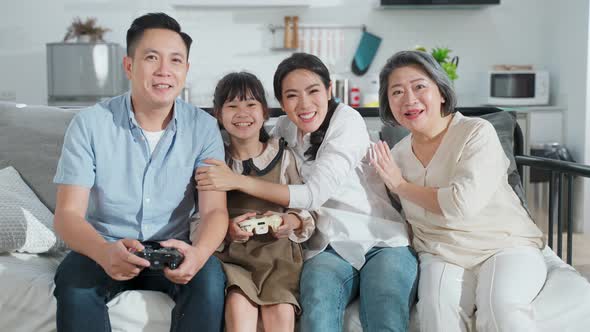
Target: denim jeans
83,289
386,286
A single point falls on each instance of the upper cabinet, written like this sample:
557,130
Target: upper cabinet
237,4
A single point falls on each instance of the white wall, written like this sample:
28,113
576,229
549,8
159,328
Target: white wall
545,33
232,40
585,203
567,50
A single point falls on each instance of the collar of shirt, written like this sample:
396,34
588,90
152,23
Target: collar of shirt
133,121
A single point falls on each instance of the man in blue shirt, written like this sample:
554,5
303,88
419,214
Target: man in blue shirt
125,176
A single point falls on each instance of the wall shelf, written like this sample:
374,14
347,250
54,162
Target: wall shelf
282,49
362,27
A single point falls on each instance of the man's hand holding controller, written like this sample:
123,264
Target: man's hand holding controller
119,262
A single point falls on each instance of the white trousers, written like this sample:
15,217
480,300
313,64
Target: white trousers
501,289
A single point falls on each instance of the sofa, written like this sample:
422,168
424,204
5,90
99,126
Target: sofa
30,145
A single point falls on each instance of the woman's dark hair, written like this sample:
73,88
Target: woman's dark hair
243,86
154,21
313,64
430,66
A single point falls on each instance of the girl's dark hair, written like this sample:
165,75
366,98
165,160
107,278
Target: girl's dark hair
242,85
314,64
430,66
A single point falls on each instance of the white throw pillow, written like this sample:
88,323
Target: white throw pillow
26,225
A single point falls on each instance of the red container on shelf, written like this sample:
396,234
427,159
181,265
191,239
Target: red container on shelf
355,97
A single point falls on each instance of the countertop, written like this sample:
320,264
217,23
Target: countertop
366,112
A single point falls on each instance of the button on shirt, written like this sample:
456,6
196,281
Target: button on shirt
134,193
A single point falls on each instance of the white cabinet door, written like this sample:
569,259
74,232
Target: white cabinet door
236,4
546,126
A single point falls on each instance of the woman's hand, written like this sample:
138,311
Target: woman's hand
382,160
290,223
217,177
235,233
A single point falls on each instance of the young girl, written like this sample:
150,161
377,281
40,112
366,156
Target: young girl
262,271
360,247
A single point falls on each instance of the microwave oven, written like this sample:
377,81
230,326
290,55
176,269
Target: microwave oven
517,87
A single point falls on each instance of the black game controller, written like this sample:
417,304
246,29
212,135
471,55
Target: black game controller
160,257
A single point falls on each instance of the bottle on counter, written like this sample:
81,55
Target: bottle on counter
371,94
288,36
295,26
341,92
355,96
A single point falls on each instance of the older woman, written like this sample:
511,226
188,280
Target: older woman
477,245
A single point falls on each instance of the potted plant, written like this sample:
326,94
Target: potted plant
85,31
441,55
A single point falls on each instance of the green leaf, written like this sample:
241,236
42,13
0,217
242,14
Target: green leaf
441,54
451,70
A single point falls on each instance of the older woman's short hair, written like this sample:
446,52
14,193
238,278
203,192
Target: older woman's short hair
430,66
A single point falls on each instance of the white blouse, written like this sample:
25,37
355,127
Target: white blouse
354,210
481,212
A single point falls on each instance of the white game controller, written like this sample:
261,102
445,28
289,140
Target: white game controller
259,225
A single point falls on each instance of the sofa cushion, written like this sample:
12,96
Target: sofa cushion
26,284
31,139
504,123
26,225
27,302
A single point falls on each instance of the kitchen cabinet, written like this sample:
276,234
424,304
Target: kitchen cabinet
540,124
239,4
543,123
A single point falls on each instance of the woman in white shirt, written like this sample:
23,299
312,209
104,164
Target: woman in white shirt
477,245
360,247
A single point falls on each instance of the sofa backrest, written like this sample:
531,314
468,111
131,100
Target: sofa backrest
31,138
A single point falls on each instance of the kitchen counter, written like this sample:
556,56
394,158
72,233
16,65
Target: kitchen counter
366,112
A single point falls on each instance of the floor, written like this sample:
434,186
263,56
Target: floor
581,252
536,196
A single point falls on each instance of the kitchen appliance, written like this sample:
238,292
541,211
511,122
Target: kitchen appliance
429,3
84,73
517,87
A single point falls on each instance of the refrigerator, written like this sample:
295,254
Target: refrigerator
84,73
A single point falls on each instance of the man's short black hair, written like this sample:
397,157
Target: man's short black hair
153,21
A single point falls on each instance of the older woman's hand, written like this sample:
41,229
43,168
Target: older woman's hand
217,177
382,160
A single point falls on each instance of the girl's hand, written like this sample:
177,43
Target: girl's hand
290,223
235,233
217,177
382,160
